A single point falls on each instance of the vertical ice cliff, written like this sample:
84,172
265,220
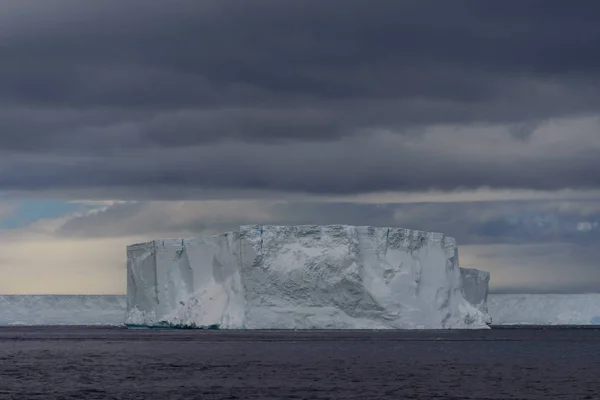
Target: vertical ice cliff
475,287
475,284
302,277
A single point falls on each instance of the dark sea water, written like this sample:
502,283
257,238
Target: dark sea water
111,363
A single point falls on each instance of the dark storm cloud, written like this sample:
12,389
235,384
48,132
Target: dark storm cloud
287,96
359,165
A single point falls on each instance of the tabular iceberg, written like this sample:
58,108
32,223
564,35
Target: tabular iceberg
301,277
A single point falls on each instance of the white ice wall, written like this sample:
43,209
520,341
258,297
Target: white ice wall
301,277
185,281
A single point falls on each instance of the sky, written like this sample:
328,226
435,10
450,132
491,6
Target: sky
123,121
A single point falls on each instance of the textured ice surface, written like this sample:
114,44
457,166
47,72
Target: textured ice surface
62,310
545,309
301,277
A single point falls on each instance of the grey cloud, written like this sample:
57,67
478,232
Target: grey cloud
509,222
471,223
538,268
391,50
353,165
160,218
282,96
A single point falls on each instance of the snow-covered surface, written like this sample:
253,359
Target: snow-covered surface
62,309
545,309
301,277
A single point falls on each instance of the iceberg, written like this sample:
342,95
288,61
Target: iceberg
62,309
304,277
545,309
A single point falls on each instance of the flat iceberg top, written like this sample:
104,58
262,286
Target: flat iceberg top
301,277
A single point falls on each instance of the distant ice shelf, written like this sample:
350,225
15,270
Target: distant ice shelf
545,309
305,277
62,309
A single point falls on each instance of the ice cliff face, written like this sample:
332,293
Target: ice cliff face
475,284
301,277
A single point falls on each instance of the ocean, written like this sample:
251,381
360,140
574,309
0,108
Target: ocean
71,362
